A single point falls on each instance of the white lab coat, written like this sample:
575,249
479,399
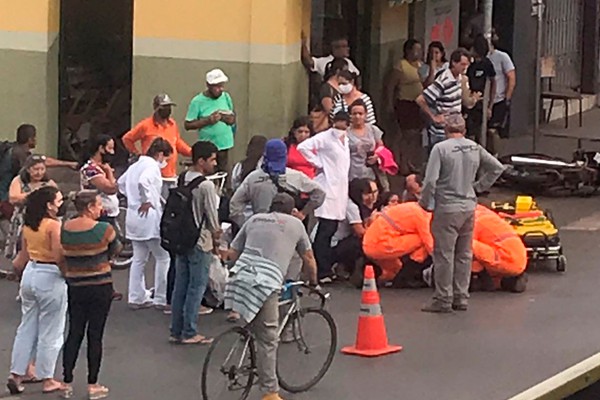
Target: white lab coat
142,180
331,157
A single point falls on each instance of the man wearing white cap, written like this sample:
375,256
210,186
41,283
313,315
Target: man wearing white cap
211,113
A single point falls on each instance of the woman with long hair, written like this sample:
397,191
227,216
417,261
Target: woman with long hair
434,63
301,130
254,153
349,93
96,173
88,246
43,292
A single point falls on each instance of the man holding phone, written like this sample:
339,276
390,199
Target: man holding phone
211,114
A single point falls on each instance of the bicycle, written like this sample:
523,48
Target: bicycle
239,373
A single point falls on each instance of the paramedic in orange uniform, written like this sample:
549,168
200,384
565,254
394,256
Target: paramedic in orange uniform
400,230
498,252
159,124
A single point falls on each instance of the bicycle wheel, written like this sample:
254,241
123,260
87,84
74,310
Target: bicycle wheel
229,367
306,350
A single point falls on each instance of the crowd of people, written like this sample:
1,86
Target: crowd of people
322,187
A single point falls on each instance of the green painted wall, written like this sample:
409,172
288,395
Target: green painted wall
266,97
30,94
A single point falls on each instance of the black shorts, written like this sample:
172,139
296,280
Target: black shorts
500,118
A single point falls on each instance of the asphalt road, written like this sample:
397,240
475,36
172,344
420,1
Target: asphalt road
504,344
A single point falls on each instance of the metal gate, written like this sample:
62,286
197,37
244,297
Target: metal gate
563,28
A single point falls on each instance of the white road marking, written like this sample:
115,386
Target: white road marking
589,223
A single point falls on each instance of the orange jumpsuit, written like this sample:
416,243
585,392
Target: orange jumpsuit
496,246
385,243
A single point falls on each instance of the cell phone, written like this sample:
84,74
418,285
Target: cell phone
226,112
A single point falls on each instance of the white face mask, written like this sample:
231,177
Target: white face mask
162,164
346,88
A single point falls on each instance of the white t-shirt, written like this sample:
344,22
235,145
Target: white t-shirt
503,65
320,65
345,227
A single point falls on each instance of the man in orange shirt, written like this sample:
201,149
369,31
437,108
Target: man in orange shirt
399,231
159,124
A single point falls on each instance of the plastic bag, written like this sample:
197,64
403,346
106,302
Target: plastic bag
217,278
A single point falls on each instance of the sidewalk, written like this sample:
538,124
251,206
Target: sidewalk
560,147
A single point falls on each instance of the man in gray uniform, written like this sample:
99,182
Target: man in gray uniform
449,190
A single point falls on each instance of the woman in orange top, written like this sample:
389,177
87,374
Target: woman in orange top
498,252
160,124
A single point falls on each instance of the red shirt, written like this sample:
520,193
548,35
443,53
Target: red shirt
297,161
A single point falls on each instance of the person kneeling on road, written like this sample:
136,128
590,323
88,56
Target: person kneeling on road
263,250
499,255
400,235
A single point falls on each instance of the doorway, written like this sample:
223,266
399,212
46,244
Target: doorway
342,18
95,67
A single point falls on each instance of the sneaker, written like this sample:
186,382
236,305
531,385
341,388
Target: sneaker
460,305
205,310
167,310
142,306
437,307
160,307
327,280
517,284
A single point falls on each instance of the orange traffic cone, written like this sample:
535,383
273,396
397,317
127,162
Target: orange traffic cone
371,337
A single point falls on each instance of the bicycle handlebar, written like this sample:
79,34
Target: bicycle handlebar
323,297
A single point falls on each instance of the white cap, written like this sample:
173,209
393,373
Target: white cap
215,77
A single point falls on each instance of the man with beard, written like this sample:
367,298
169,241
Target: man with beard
159,124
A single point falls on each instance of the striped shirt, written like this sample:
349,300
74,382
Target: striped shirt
339,104
87,254
252,280
444,96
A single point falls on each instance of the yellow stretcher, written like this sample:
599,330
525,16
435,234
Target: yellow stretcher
537,230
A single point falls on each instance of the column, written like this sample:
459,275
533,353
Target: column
29,70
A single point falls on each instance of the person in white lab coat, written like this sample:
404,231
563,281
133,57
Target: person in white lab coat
329,153
142,185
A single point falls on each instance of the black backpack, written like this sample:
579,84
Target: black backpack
179,232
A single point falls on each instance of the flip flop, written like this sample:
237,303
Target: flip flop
100,393
199,340
14,387
32,379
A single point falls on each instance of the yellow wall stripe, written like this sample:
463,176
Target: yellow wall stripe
217,51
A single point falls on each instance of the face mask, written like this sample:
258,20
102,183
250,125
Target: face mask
162,164
164,113
345,88
107,158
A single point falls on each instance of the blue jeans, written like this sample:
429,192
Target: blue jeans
40,335
191,279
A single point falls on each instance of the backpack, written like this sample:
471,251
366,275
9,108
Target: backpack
179,232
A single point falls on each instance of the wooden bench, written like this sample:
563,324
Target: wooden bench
548,67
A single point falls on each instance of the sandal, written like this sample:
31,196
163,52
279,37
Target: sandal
31,379
233,317
59,388
98,392
198,339
14,387
67,392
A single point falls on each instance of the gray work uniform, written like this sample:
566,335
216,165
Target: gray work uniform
275,237
449,189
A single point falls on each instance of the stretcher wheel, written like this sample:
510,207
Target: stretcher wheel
561,263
